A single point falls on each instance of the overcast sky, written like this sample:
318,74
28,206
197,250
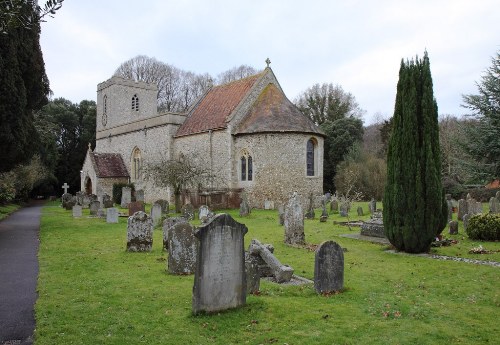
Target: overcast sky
357,44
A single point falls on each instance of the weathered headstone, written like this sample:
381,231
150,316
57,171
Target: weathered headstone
252,273
334,205
168,223
479,207
79,197
471,206
282,273
101,213
77,211
65,198
372,206
494,205
462,208
86,201
203,213
310,209
156,213
329,268
139,195
360,211
164,205
465,220
220,281
281,214
112,215
139,232
94,206
135,206
126,197
324,213
268,205
188,211
294,222
244,206
453,227
107,201
449,205
344,209
182,247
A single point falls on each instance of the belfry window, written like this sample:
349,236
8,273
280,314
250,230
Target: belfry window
246,166
135,103
310,157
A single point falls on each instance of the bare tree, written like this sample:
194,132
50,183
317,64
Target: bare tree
236,73
349,194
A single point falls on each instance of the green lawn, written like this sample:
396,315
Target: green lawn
6,210
93,292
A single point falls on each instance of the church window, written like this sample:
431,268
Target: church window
135,103
136,164
246,166
310,157
105,104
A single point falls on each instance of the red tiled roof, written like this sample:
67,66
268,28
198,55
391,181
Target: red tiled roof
273,112
217,105
109,165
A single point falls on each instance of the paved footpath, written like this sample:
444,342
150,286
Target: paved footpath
18,274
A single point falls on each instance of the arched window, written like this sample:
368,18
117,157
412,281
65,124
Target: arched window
135,103
246,166
105,104
136,164
310,157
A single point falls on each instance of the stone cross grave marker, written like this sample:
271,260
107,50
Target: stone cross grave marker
77,211
282,273
139,233
328,268
65,186
182,248
168,223
219,281
112,215
294,222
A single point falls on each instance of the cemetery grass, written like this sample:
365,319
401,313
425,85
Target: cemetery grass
91,291
6,210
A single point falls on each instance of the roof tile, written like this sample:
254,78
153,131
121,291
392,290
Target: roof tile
109,165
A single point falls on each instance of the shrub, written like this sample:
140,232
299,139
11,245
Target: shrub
117,191
485,227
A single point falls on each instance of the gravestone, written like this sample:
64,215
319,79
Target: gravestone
281,214
107,201
334,205
79,197
86,201
268,205
479,207
360,211
156,213
101,213
252,273
310,210
77,211
465,219
344,209
112,215
203,213
449,205
139,232
168,223
471,206
244,206
182,246
94,206
188,211
453,227
65,186
294,222
282,273
329,268
462,208
65,198
328,196
126,197
372,206
219,281
134,207
373,227
164,205
69,204
324,214
494,205
139,195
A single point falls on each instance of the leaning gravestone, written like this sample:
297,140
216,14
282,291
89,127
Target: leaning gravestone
219,281
156,213
282,273
94,207
135,206
294,222
168,223
329,268
139,233
462,209
126,197
494,205
77,211
188,211
139,195
453,227
112,215
107,201
244,206
181,249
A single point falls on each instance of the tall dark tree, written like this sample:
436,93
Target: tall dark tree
483,134
24,88
414,204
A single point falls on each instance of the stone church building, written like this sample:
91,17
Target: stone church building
246,132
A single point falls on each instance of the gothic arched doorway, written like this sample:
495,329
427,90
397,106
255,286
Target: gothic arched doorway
88,186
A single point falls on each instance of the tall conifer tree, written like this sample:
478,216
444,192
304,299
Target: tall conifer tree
414,205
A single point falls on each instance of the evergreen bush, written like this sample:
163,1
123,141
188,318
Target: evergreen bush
484,227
